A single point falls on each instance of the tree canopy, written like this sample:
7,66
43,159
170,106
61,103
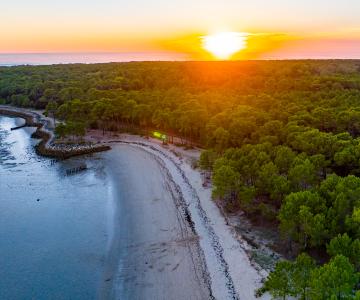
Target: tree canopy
281,138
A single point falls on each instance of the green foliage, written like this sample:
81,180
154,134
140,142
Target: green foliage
284,158
226,181
302,176
335,280
345,246
70,129
285,134
302,218
20,100
291,279
207,159
280,282
51,109
302,279
221,137
303,267
61,130
342,245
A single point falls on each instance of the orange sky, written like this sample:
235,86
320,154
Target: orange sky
277,28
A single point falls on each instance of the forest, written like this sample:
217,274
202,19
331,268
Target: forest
281,140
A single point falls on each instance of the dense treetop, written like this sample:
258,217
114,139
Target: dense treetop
282,141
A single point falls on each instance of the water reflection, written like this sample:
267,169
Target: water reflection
53,228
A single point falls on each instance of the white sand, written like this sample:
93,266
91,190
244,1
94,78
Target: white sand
153,253
232,275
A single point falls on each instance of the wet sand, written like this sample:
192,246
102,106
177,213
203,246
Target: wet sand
153,252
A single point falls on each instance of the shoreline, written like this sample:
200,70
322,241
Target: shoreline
232,275
43,132
154,252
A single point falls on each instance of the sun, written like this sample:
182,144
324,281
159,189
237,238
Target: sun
224,44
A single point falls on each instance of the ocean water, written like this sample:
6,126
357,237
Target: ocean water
54,229
12,59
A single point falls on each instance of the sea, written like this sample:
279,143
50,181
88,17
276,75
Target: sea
13,59
54,227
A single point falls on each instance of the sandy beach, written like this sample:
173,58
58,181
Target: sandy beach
168,239
153,253
186,249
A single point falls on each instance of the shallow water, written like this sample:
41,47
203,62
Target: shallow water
54,229
114,231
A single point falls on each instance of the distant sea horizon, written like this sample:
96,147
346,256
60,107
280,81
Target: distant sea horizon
16,59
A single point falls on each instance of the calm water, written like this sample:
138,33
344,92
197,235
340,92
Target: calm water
54,229
65,58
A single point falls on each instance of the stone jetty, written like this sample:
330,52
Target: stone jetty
45,132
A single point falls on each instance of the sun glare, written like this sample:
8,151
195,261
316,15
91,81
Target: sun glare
224,44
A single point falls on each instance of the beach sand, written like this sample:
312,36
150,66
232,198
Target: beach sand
153,253
184,247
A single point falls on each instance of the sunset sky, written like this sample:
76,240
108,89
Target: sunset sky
274,28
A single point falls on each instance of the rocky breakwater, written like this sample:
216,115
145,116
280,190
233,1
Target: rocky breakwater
44,132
